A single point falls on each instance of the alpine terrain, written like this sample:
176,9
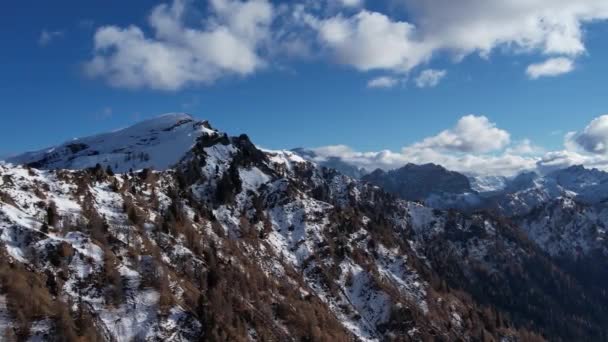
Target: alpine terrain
170,230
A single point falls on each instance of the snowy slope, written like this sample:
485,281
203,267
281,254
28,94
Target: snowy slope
530,190
565,228
314,237
264,245
157,143
299,228
27,239
485,184
589,185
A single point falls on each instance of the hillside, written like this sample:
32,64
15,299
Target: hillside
226,242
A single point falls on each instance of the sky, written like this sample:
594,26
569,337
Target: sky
493,87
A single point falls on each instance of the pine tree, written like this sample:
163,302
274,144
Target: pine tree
52,217
109,171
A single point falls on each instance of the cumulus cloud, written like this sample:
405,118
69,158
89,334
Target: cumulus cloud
47,36
471,134
466,147
430,78
525,147
227,43
556,160
240,37
593,139
550,67
371,40
549,27
588,147
458,149
382,82
504,164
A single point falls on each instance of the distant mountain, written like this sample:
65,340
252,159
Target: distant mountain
530,190
417,182
443,189
564,212
488,183
335,163
589,185
429,183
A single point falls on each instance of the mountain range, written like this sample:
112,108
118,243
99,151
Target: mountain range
170,230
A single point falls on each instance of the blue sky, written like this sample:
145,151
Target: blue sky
318,94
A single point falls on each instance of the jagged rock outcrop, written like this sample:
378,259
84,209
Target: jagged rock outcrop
417,182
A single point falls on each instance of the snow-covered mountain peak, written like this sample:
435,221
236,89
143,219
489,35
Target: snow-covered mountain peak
487,184
160,122
578,177
156,143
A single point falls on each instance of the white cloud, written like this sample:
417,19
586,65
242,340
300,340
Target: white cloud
504,164
524,147
555,160
471,134
550,67
47,37
240,37
548,26
430,78
464,148
371,40
588,147
593,139
227,43
351,3
561,159
382,82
